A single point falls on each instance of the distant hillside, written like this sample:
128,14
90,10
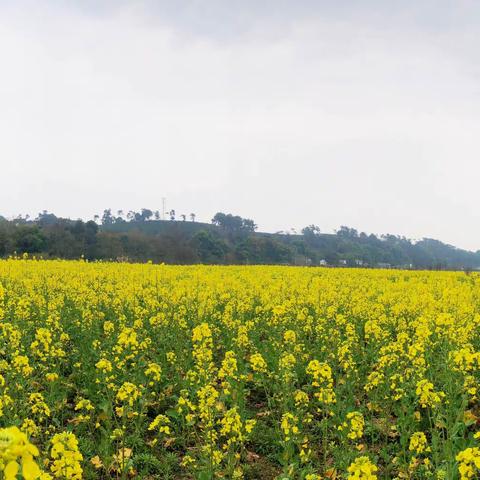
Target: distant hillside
347,247
156,227
229,239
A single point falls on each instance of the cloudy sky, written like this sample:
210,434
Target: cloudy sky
358,113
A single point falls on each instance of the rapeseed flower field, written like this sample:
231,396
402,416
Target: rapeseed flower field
167,372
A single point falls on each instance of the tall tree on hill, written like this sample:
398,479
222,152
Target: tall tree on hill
311,231
91,230
145,214
230,224
45,218
347,232
107,217
29,239
248,225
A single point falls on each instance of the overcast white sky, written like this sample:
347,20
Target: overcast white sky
358,113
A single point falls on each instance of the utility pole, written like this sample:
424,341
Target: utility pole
163,207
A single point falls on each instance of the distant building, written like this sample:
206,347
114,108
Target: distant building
323,262
342,262
359,263
384,265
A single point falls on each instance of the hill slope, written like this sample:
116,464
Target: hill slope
232,240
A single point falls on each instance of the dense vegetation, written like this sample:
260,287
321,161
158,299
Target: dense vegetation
229,239
159,372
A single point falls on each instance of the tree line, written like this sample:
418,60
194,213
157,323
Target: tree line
228,239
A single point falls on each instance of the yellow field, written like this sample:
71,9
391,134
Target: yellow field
161,372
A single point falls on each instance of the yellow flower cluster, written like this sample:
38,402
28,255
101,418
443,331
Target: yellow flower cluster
354,425
66,457
322,378
17,455
258,363
469,463
289,425
362,469
128,393
161,423
427,395
418,443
